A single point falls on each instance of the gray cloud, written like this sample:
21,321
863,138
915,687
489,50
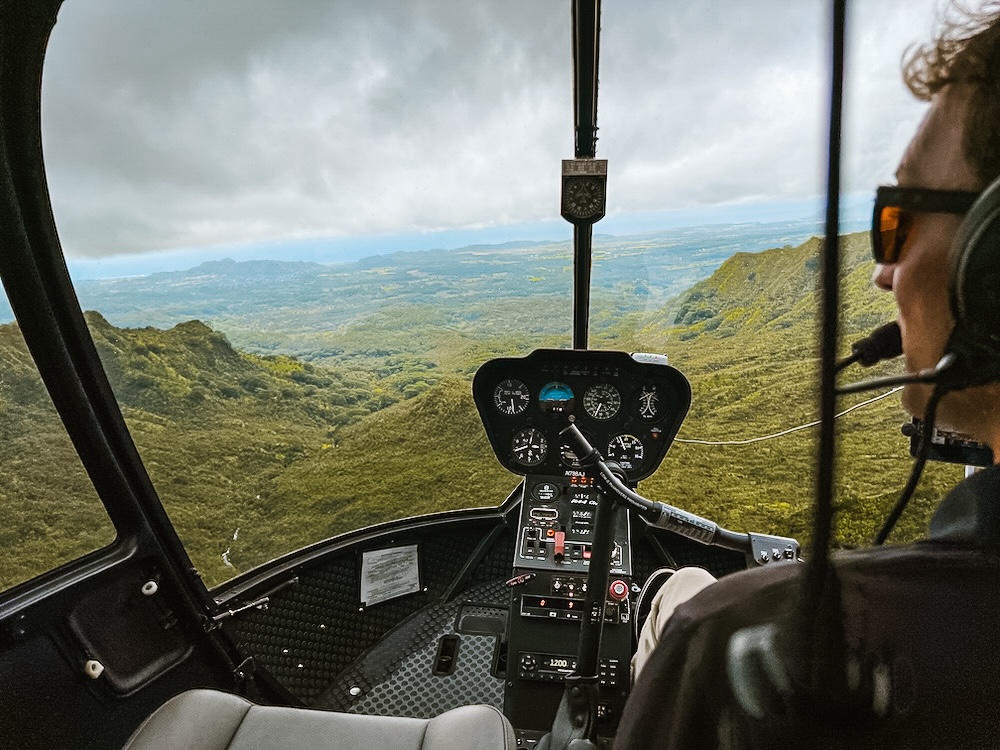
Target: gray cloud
198,123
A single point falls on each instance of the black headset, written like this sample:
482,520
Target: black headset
975,294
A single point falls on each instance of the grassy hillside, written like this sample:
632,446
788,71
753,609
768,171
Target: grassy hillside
747,338
255,455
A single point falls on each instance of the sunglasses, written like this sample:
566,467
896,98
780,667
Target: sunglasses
894,210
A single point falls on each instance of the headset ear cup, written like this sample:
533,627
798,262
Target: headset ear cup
975,279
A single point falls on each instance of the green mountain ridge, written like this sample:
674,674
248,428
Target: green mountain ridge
254,455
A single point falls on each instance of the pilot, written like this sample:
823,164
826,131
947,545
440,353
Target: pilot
920,625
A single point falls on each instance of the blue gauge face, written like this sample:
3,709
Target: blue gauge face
556,397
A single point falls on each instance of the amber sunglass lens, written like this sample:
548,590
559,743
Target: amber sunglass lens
891,234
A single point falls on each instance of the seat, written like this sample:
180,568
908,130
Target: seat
214,720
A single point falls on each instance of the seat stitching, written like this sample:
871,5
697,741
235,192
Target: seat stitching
250,707
503,725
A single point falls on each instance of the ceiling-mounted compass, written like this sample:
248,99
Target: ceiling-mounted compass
584,189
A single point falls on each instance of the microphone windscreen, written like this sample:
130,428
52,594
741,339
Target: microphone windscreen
884,342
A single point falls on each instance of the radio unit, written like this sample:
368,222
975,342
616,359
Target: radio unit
557,667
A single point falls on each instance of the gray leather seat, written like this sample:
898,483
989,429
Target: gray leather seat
213,720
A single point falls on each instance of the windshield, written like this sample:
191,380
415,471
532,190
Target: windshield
299,228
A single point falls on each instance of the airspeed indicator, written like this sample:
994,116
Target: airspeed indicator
511,397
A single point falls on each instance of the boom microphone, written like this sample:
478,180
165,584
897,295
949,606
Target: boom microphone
883,343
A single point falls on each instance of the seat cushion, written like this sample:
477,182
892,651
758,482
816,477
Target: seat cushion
213,720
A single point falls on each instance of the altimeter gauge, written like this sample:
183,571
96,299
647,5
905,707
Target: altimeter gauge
602,401
529,446
511,397
627,451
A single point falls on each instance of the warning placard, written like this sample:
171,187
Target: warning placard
389,573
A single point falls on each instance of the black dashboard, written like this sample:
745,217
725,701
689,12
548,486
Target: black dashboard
629,407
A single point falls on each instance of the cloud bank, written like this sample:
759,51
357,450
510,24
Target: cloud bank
198,123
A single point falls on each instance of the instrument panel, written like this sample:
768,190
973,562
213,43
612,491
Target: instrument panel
628,406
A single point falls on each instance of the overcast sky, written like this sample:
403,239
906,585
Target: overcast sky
196,123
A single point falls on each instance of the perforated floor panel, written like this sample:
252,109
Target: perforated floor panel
397,677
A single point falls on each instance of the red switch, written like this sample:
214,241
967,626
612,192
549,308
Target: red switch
560,550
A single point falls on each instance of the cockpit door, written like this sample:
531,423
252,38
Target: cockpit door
91,643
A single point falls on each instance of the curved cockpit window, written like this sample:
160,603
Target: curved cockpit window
49,517
300,228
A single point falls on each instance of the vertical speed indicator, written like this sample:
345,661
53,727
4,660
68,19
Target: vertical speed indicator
511,397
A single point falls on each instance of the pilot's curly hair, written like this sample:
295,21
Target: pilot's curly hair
966,50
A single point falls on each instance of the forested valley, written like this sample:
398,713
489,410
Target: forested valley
259,443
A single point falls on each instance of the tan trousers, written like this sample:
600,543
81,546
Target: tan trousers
677,589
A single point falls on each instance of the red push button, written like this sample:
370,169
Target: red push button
618,590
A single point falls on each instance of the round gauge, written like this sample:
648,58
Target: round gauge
511,397
602,401
627,451
556,398
651,403
529,446
583,197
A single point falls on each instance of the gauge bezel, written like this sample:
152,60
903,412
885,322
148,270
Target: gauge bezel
543,446
518,408
556,406
660,411
629,464
610,392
